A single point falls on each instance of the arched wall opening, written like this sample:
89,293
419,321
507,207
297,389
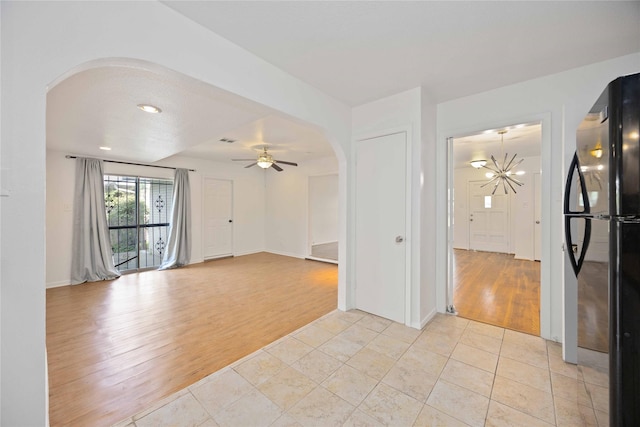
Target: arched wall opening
40,44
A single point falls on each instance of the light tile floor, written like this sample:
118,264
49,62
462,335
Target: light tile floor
356,369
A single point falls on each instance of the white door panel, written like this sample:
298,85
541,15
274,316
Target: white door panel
381,226
488,218
218,225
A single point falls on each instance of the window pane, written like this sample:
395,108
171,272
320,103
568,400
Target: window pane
124,248
156,198
120,200
138,215
487,202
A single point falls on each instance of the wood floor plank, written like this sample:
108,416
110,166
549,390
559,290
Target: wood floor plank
116,347
497,289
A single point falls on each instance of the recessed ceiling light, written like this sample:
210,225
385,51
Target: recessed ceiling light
105,148
148,108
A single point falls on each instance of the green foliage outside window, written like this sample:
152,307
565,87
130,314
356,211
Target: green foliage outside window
121,210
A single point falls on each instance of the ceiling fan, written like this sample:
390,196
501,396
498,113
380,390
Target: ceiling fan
265,161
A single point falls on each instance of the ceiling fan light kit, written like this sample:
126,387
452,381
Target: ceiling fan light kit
266,161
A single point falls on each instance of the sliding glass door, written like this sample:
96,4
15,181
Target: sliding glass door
138,215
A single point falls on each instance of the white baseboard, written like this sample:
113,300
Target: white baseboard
248,252
427,318
286,254
328,261
324,243
58,284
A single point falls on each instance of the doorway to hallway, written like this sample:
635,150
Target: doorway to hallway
493,274
497,289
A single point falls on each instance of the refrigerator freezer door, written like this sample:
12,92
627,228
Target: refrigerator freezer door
624,95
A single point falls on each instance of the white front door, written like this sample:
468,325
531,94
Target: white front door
381,226
218,220
488,218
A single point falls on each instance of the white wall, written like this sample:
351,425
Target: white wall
559,101
40,42
428,177
323,209
287,206
521,227
248,206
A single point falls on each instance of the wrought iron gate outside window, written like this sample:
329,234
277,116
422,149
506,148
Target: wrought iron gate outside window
138,215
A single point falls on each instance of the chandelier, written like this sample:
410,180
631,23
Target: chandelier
502,174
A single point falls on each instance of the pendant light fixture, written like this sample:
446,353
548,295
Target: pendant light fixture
502,174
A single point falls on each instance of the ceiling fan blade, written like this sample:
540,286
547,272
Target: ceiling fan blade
276,167
252,164
287,163
243,160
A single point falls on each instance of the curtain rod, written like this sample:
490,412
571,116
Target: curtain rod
134,164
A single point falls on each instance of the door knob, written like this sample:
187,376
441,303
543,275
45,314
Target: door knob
399,239
537,222
230,220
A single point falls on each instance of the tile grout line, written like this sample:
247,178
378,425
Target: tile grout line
357,407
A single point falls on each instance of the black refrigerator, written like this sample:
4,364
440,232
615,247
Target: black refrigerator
602,228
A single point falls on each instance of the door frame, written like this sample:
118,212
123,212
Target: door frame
444,264
537,215
233,227
408,210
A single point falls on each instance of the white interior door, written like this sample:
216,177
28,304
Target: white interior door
218,218
537,226
381,226
488,218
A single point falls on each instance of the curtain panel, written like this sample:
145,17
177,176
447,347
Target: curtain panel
91,258
178,251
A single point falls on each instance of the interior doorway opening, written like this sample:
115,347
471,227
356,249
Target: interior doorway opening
495,222
323,218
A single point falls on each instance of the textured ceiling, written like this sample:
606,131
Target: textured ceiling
354,51
97,107
359,51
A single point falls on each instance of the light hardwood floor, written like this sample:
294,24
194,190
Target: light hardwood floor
497,289
115,347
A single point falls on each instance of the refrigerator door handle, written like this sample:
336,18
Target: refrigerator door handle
575,167
577,264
